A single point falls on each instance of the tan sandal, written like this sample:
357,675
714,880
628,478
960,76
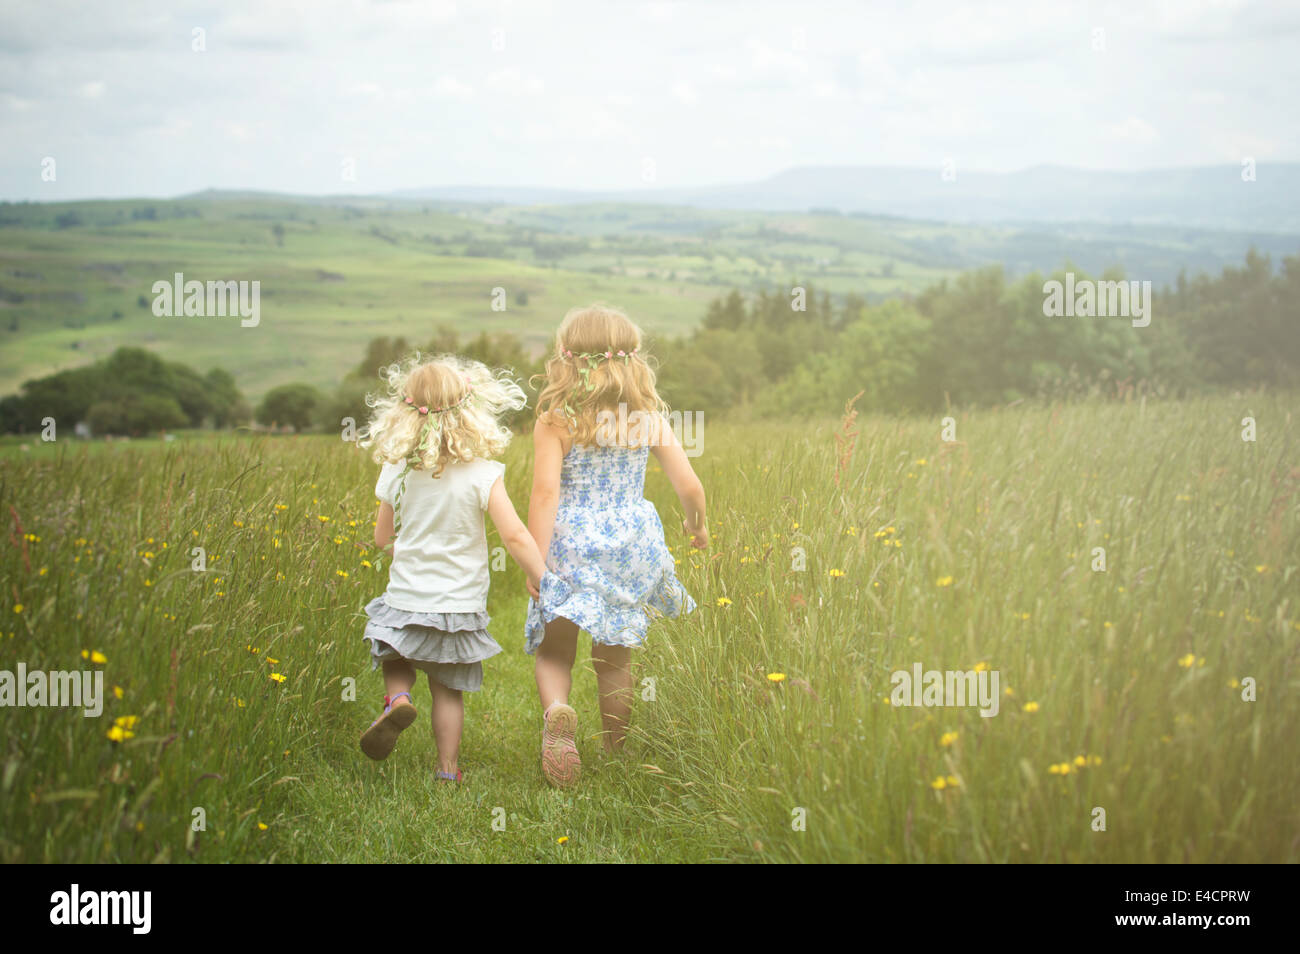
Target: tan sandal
561,763
379,740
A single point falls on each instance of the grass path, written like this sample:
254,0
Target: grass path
611,817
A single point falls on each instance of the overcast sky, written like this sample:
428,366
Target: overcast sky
582,94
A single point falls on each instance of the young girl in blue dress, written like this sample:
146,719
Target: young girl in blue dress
436,431
608,567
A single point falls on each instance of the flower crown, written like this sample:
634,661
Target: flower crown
423,409
593,357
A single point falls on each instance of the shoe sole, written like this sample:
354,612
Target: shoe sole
379,740
561,763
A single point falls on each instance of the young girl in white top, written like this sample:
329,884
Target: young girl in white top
436,431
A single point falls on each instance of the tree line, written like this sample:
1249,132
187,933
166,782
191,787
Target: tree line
979,338
131,392
983,339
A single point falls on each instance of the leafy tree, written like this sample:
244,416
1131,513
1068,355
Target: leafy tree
64,396
879,354
291,404
136,414
229,408
13,415
190,391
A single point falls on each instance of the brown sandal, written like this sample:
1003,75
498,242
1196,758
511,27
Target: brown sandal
379,740
561,763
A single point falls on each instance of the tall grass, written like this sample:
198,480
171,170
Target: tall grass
1136,669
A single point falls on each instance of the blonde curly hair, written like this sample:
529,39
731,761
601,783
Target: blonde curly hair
599,363
440,409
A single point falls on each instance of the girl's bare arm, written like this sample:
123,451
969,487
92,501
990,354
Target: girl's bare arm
548,454
384,526
690,492
519,543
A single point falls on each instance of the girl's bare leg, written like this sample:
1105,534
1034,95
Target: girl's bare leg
561,763
553,667
614,684
379,739
448,723
399,676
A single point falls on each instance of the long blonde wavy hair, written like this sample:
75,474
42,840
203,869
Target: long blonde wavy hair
463,404
599,363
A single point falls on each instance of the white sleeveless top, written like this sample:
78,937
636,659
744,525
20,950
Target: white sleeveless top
440,559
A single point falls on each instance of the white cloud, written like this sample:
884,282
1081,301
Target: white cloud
764,59
16,103
1133,130
1238,145
448,87
513,82
657,11
1001,86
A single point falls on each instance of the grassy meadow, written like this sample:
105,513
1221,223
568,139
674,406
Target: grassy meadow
1122,689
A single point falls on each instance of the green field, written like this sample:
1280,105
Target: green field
334,274
338,279
974,553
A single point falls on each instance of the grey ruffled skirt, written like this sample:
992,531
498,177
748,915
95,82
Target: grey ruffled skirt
450,647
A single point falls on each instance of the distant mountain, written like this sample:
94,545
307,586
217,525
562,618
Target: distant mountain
1213,197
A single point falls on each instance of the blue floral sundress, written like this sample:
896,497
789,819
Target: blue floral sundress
608,569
